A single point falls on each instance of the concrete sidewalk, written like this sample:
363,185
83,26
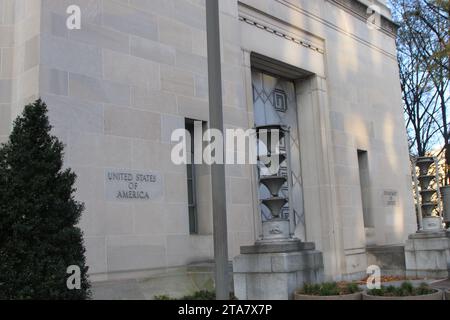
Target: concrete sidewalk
444,284
175,284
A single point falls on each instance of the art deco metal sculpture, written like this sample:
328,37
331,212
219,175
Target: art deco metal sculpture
271,156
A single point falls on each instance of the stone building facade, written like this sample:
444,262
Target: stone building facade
137,70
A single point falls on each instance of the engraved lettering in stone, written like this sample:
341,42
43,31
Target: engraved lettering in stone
390,197
125,185
133,195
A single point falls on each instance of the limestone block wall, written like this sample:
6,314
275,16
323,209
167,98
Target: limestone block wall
6,45
116,89
19,58
360,97
366,114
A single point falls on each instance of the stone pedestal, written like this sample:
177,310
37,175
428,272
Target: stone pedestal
427,254
391,259
274,270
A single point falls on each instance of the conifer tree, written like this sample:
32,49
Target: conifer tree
39,238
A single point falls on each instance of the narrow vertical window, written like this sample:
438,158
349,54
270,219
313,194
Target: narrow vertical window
191,183
364,180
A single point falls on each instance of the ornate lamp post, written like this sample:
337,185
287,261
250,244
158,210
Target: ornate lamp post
278,226
277,262
430,197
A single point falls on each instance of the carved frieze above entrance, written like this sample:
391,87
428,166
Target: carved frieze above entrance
281,34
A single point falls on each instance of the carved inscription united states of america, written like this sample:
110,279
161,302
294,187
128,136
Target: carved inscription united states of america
131,185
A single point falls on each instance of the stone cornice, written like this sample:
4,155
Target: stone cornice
359,10
286,28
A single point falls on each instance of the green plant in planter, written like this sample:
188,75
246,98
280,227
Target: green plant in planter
405,290
329,289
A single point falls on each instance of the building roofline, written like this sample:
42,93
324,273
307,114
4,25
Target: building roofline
358,8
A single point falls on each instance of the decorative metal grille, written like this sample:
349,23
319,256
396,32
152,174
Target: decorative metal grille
280,100
277,98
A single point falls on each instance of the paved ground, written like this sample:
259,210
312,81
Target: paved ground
444,284
117,290
174,285
146,289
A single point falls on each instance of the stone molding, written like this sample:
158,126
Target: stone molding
359,10
281,34
276,26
